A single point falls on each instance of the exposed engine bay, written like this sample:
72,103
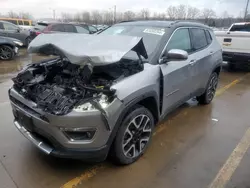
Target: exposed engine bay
57,85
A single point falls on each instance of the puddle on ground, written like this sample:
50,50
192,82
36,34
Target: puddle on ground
9,69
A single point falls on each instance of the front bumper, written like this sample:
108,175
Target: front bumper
47,134
96,155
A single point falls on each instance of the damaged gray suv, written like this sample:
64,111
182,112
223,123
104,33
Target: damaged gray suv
104,94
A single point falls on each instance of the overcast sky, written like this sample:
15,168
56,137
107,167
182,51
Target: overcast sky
43,8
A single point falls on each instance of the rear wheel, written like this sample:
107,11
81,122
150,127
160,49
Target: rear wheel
134,136
6,52
209,94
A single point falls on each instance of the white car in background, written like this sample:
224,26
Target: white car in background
235,44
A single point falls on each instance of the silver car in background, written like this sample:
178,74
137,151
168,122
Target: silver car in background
105,93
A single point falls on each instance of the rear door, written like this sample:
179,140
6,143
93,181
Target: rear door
202,57
177,74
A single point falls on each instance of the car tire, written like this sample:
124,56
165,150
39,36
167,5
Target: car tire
207,97
133,136
6,52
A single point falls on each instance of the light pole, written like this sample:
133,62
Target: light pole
54,13
246,10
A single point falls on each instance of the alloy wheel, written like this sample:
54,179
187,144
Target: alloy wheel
212,87
5,53
137,136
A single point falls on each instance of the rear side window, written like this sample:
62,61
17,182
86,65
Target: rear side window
57,27
199,38
180,40
26,22
209,37
69,28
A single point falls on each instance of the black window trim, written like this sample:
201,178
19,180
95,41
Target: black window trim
186,27
205,36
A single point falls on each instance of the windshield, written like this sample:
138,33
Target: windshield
151,35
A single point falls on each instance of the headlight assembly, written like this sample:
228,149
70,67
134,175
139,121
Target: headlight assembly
18,43
88,106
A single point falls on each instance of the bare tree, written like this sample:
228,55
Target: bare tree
181,12
25,15
77,17
192,12
172,12
208,15
108,17
12,14
66,17
128,15
86,17
144,14
96,17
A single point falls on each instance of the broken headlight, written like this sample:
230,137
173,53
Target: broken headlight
103,102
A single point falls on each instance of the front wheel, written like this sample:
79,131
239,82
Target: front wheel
134,136
209,94
6,52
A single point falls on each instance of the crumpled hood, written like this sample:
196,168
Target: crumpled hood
82,48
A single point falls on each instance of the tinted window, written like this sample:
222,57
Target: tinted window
10,27
26,22
69,28
209,37
245,27
1,26
180,40
199,39
57,28
81,30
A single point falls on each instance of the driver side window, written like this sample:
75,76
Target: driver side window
180,40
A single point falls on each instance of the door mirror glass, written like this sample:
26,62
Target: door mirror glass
176,55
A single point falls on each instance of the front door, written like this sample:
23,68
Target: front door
177,80
12,31
3,33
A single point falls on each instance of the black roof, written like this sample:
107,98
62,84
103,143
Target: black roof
161,23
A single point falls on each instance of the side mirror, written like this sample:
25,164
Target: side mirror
177,55
174,55
18,30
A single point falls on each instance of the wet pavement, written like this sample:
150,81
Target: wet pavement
188,149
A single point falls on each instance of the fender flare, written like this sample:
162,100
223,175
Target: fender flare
128,106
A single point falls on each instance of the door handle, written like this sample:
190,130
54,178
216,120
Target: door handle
192,62
211,52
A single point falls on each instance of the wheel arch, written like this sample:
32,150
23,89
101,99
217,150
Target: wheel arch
148,100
